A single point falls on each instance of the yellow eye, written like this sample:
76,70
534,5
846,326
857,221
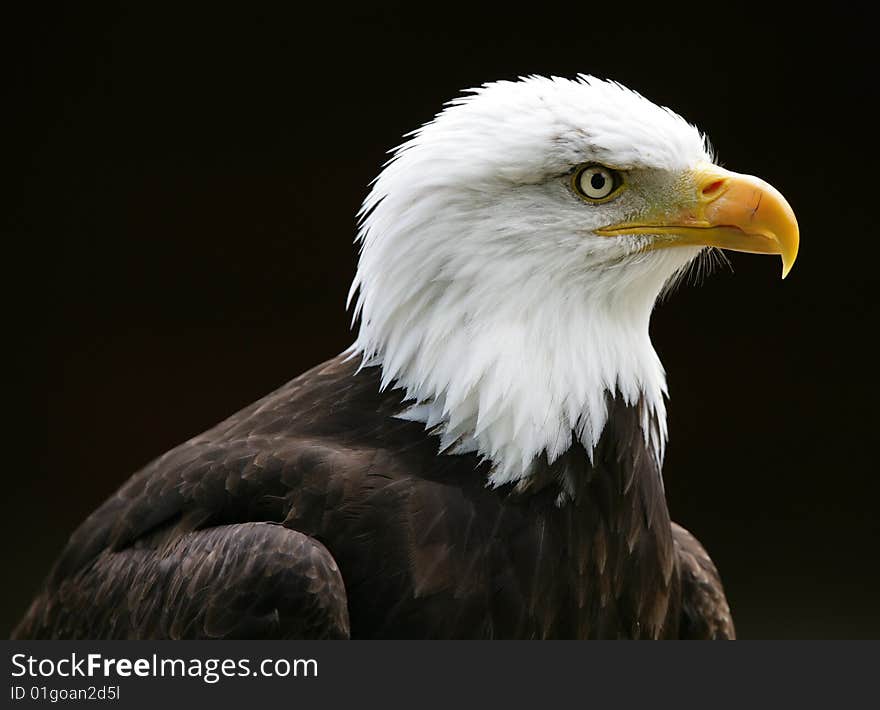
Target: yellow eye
596,182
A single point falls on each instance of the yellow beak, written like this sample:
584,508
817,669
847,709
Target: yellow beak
726,210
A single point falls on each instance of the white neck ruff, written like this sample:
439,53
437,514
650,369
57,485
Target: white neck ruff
526,373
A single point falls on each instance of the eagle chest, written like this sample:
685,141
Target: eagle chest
479,564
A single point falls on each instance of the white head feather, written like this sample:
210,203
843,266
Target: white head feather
482,290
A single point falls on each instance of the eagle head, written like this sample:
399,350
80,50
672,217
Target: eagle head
512,251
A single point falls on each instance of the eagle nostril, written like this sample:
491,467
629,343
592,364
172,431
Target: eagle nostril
712,188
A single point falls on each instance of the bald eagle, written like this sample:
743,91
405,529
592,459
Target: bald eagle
485,460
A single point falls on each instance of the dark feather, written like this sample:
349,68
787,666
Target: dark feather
704,610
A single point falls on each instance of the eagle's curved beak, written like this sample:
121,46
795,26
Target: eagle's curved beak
726,210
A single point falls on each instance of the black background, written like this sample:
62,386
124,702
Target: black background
179,242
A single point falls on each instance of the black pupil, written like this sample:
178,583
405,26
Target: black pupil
597,181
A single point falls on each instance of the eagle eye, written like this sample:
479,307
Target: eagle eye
596,183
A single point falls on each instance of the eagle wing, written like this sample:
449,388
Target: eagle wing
198,544
250,580
230,534
704,610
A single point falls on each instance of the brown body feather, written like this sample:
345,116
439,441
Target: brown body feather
315,513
